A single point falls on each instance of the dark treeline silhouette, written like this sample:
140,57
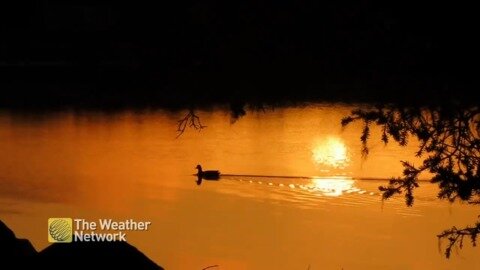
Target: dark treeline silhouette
20,254
175,54
449,140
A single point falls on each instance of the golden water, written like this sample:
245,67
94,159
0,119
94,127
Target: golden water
131,165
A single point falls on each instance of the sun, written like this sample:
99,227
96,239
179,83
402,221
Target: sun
330,152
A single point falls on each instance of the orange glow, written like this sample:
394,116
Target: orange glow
333,186
128,165
331,152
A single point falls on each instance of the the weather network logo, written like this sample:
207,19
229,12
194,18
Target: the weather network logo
60,230
67,230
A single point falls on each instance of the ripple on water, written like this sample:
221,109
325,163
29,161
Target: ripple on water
315,193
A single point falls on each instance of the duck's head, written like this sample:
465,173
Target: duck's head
198,167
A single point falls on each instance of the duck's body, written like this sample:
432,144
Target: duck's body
207,175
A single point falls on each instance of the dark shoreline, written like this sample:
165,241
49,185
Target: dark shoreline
110,55
20,254
21,99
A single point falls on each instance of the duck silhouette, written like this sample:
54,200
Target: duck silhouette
207,175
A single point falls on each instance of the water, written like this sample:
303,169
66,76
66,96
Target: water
297,192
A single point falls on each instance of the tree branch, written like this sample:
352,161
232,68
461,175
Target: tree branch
189,120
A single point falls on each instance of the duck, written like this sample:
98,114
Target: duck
207,175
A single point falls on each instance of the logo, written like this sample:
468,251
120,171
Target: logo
68,230
60,230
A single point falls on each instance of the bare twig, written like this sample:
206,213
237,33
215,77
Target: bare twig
190,120
211,266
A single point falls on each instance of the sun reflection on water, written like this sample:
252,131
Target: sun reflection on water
334,186
331,152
